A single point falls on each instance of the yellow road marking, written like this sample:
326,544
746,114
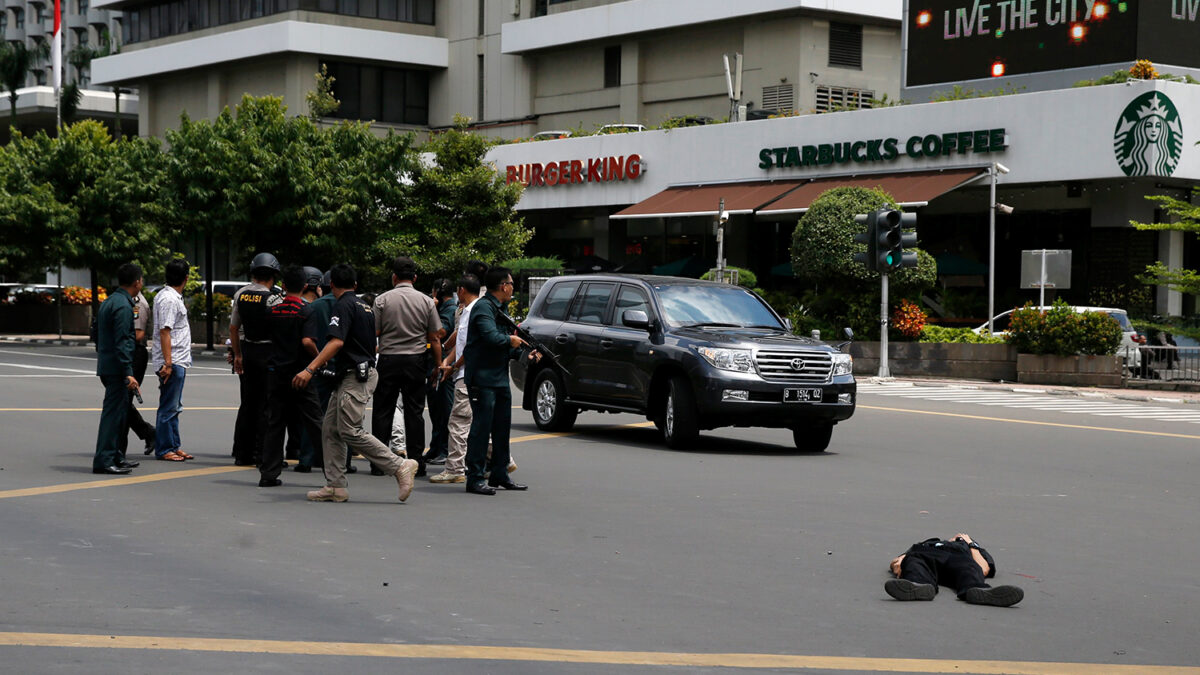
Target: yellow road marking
191,473
120,482
491,653
1035,423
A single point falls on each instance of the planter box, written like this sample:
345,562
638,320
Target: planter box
1089,371
43,319
939,359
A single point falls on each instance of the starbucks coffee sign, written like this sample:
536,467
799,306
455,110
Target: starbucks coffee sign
926,146
1148,140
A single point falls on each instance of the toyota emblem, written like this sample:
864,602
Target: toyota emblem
797,364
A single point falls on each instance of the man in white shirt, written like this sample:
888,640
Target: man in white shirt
460,413
171,356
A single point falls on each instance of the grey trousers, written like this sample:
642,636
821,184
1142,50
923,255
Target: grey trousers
343,426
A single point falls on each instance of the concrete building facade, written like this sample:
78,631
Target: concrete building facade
515,67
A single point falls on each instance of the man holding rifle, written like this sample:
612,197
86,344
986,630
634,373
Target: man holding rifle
114,365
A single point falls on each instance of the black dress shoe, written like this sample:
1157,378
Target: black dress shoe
302,468
480,489
113,470
350,468
269,482
126,464
509,485
376,471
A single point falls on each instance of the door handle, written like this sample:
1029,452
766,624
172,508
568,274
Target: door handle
607,344
562,339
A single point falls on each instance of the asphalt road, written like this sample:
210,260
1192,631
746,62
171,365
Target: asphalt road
623,557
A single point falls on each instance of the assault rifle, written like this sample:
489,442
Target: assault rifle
533,342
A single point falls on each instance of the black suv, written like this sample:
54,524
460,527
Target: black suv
687,354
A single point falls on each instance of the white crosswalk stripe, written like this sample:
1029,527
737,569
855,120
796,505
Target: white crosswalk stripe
1033,400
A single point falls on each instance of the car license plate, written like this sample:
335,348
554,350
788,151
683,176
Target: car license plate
801,395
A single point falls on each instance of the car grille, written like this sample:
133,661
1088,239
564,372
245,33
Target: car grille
778,366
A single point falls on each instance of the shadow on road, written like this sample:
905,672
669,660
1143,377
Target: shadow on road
650,438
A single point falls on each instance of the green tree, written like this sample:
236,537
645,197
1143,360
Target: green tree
16,60
459,208
31,219
1188,215
107,195
265,181
846,293
321,101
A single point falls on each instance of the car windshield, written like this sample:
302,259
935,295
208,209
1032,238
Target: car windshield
717,306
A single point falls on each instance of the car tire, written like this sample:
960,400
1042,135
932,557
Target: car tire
550,411
813,438
679,418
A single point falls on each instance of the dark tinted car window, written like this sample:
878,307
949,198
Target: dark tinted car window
630,297
732,305
558,300
590,307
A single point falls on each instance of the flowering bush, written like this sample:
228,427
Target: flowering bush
78,295
1062,331
1143,70
908,319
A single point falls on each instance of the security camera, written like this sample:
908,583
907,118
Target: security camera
724,217
1005,209
1001,168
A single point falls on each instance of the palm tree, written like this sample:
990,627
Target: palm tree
16,60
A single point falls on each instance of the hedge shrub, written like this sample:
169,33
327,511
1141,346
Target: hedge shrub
931,333
1063,332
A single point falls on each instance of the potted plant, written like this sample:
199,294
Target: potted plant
1065,346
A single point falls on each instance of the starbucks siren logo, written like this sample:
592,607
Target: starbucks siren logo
1149,136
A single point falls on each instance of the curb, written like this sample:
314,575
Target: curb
1122,395
197,349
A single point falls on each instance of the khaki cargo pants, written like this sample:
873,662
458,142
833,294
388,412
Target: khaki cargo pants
343,426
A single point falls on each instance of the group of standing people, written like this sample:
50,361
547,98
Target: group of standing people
310,358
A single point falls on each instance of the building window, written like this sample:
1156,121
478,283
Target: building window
843,98
83,6
481,91
394,95
780,98
19,18
162,18
845,45
3,22
482,17
612,66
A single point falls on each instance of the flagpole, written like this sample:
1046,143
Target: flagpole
56,65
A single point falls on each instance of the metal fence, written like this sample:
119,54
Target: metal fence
1167,363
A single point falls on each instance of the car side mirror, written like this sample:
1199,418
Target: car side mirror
635,318
848,333
787,323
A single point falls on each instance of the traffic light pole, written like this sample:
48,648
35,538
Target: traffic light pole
883,328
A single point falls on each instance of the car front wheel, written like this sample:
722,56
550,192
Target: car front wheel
550,412
814,437
678,419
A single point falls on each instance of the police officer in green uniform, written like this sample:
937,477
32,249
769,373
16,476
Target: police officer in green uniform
114,365
487,353
251,348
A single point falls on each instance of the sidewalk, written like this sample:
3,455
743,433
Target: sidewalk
84,341
1143,394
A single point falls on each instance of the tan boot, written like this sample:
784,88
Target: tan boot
328,494
408,468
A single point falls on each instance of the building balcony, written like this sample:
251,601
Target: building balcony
75,20
36,29
14,34
98,17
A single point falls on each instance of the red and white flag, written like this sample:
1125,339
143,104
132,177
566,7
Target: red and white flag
56,46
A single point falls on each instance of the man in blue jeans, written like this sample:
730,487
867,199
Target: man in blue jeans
171,356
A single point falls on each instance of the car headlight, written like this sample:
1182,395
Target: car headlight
843,364
738,360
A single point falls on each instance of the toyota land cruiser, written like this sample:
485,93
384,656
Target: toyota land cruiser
689,355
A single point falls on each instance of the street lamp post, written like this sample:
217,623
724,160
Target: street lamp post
996,169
